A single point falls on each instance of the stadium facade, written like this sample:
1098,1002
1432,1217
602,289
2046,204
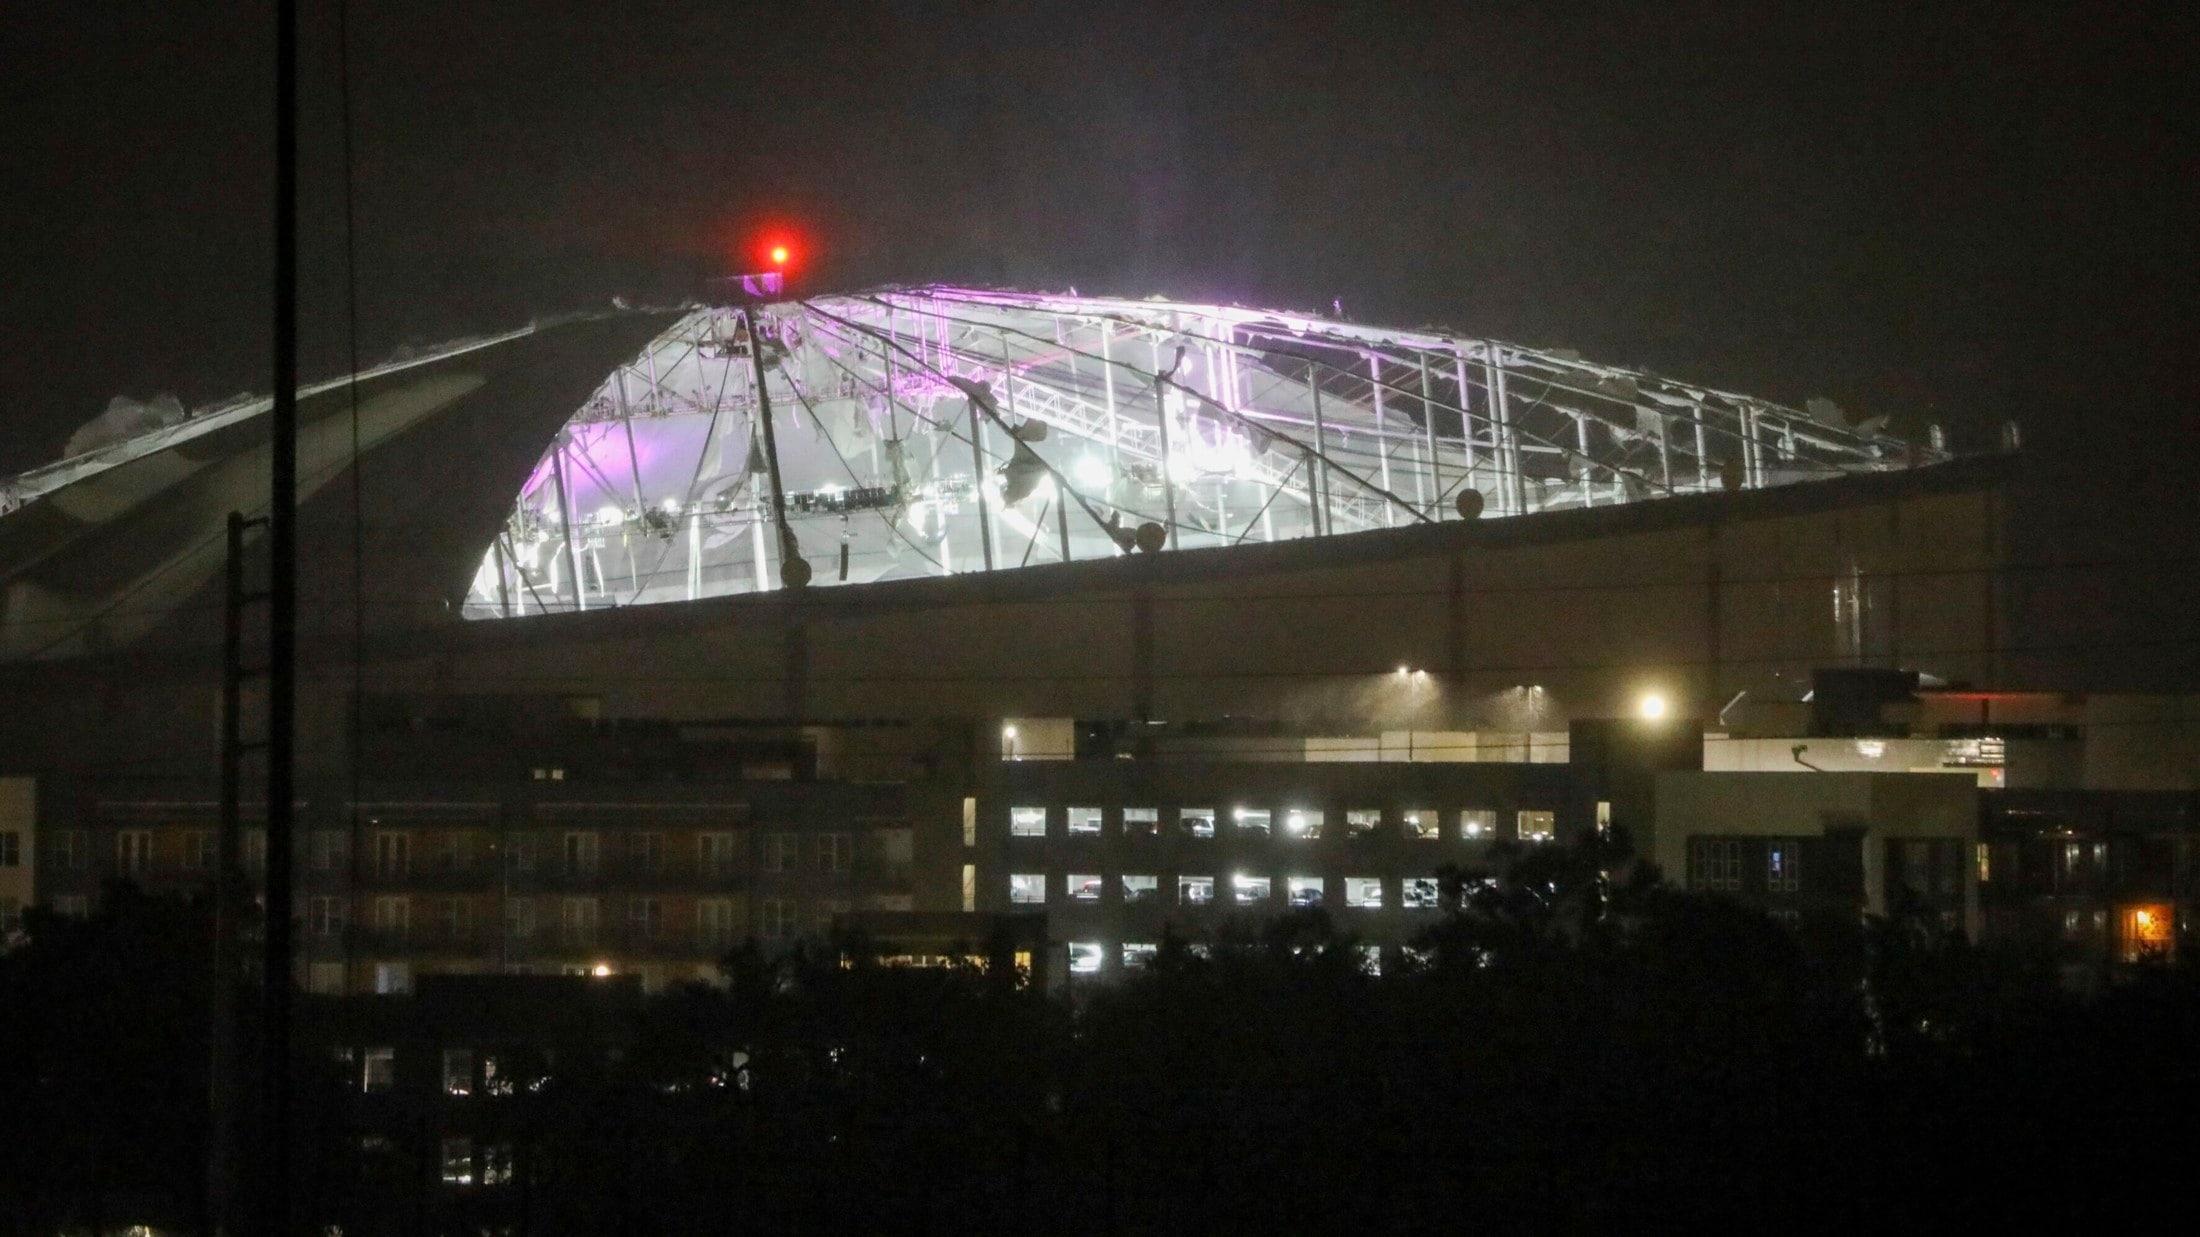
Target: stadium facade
1059,604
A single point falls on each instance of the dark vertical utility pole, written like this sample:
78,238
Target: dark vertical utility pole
282,641
789,574
229,900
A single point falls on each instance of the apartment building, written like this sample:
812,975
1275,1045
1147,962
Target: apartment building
546,876
1118,853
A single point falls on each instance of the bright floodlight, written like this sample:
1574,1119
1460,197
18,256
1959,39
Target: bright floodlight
779,255
602,969
1092,472
1652,706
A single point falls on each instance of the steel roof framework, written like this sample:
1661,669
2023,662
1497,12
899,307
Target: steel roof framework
933,430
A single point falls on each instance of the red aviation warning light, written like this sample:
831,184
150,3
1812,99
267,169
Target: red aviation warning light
769,259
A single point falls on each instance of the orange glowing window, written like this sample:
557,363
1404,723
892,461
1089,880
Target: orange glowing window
2149,931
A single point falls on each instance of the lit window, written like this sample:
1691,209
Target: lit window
458,1071
970,820
1419,893
1083,821
1371,959
1984,858
1364,891
496,1164
1304,890
378,1069
1141,821
1783,867
1084,887
1196,822
1027,822
1139,954
1195,890
1476,824
1360,822
1084,957
1537,826
970,888
1422,823
1028,888
1301,822
1604,816
1249,889
458,1161
1141,888
1250,819
2148,932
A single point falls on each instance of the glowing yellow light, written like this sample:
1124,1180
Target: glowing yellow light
2145,918
1008,732
602,969
779,255
1652,706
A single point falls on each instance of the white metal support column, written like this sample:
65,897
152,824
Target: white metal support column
1435,458
1382,440
1466,418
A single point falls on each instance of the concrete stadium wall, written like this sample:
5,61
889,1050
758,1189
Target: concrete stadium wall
1696,598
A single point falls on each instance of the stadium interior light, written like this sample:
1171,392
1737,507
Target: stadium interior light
1092,472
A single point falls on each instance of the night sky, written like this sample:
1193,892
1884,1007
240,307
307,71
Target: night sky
1965,214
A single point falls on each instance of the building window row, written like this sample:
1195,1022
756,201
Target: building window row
1721,865
1244,888
1304,823
1089,957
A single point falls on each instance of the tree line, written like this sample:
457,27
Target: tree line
1574,1046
